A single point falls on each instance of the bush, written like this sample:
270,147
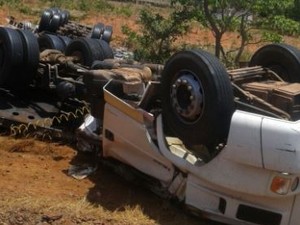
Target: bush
285,25
10,3
155,43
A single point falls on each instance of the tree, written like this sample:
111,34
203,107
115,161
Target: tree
221,16
294,12
157,34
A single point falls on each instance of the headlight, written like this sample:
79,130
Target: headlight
283,183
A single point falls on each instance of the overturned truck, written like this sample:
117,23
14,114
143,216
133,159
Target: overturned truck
225,143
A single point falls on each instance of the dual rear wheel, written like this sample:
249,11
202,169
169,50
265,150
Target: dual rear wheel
20,52
89,50
19,57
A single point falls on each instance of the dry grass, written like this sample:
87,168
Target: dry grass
31,210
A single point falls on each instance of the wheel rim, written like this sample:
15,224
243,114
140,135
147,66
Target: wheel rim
187,97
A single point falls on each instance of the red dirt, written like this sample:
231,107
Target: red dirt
197,36
38,170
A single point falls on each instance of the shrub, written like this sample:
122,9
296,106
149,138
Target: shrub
155,43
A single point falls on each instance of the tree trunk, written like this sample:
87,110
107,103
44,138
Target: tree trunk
214,28
218,44
244,39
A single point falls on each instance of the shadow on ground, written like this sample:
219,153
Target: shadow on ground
113,192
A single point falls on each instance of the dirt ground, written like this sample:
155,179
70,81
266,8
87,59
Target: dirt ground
36,189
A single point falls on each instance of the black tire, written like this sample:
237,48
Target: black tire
55,22
107,33
55,10
65,16
283,59
97,31
11,57
66,40
86,49
31,55
106,49
45,20
205,119
50,41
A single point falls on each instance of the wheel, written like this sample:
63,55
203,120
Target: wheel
50,41
107,33
11,57
45,20
54,10
55,22
66,40
65,15
86,49
31,55
106,49
197,98
97,31
283,59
